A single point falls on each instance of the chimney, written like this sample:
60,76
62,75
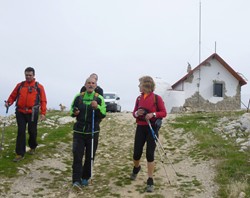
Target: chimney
189,68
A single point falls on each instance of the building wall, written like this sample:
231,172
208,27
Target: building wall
198,89
174,101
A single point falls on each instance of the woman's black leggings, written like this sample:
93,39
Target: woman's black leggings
143,134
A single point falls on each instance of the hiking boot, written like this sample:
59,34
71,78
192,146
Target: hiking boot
135,172
18,158
150,185
31,151
85,182
76,185
150,188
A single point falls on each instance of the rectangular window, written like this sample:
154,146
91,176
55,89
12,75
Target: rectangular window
218,90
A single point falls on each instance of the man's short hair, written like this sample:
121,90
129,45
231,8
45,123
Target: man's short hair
89,78
30,69
94,75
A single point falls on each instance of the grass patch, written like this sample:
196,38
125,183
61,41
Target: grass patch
54,135
113,162
233,165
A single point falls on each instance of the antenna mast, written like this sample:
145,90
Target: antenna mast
200,34
199,78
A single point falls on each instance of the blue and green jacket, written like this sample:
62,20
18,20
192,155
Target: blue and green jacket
82,101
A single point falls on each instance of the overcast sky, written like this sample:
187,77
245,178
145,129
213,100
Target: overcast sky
120,40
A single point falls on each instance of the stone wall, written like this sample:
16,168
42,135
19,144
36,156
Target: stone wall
198,103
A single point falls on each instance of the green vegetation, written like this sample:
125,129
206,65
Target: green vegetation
53,136
114,157
233,166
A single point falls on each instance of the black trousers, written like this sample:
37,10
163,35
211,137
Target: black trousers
22,121
144,135
82,146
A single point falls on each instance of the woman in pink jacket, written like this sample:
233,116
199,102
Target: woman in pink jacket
148,106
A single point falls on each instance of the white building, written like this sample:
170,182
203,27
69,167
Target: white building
211,86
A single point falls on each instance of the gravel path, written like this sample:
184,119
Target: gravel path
50,176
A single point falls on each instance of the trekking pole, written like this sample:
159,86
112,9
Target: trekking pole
160,147
3,130
92,144
163,150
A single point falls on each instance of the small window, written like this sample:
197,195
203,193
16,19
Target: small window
218,87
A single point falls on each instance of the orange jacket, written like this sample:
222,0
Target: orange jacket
26,98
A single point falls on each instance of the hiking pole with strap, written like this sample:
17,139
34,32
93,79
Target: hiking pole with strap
159,146
92,144
158,149
2,139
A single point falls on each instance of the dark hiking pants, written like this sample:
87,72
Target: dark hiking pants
82,146
22,121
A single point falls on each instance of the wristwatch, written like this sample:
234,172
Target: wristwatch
154,114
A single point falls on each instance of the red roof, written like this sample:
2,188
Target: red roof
222,62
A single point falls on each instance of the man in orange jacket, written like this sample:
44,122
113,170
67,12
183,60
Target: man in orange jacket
30,97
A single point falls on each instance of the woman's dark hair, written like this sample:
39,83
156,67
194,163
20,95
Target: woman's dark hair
30,69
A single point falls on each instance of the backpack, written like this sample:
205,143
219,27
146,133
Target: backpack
158,121
155,101
82,94
37,101
80,101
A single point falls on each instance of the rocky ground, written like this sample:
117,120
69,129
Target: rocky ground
50,175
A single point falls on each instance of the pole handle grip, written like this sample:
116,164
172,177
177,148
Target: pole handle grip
7,108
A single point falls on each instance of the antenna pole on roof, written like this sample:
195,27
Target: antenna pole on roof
200,34
199,78
215,47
